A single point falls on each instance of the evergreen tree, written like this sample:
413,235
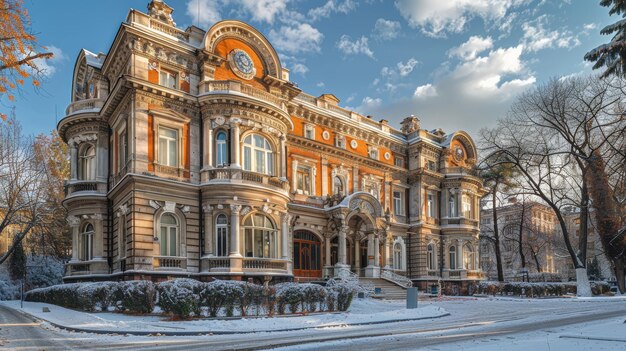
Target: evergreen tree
612,55
593,270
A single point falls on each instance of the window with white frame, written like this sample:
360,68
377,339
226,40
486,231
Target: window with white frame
87,166
168,79
373,152
260,236
469,257
221,148
467,206
168,236
452,256
340,141
398,256
168,147
398,202
258,154
338,185
304,179
87,242
452,205
221,235
309,131
430,205
398,161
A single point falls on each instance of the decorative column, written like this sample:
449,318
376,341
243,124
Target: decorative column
284,236
459,255
294,175
283,157
102,156
74,221
357,252
377,252
208,230
235,144
342,261
388,258
73,161
234,231
208,145
459,203
355,180
327,251
324,176
98,242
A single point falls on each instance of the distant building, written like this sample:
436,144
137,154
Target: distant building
540,235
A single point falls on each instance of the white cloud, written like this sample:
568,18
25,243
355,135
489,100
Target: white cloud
471,48
47,67
264,10
320,85
405,68
299,68
360,46
386,29
436,17
589,26
537,37
296,39
330,7
425,91
204,13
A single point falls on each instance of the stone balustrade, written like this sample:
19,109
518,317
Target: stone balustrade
84,105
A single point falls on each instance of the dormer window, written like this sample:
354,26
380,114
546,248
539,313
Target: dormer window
309,131
340,141
168,79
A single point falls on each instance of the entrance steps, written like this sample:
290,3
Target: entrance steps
389,290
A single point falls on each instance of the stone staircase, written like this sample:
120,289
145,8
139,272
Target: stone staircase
390,291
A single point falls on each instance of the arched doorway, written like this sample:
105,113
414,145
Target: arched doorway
307,254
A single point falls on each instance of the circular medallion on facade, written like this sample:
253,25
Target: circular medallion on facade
387,155
354,144
458,153
326,135
241,63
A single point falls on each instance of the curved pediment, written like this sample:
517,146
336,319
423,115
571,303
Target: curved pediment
363,202
252,40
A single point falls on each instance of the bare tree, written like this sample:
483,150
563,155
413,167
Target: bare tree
22,198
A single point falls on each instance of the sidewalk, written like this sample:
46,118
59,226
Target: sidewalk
362,311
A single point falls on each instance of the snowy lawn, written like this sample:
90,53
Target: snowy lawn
361,311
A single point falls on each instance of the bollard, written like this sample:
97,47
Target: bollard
411,298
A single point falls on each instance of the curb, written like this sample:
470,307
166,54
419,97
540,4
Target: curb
220,332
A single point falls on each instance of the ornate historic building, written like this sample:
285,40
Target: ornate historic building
193,154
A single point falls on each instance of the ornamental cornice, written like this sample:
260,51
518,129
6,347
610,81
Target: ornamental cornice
84,131
250,117
181,107
152,50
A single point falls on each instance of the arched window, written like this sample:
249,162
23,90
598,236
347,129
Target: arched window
221,235
87,234
338,187
221,148
469,261
398,257
452,257
121,243
87,163
431,256
258,155
260,236
168,237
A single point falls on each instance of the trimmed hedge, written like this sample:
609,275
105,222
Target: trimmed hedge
185,298
536,289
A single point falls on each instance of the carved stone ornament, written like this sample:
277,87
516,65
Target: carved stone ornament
185,209
154,204
169,206
325,135
246,210
354,144
235,208
73,221
207,208
241,64
160,10
410,124
123,210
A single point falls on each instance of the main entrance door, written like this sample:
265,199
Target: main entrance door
307,255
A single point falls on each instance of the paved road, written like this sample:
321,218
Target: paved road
470,320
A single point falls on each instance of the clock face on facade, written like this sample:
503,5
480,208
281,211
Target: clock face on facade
458,153
241,64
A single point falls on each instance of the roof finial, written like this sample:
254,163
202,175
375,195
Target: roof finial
160,10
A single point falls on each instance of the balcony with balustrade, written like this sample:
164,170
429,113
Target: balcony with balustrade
81,106
84,187
82,268
237,176
169,263
249,266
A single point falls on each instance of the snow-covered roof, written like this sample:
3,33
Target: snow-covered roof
94,60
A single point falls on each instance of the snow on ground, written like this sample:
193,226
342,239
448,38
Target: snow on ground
361,311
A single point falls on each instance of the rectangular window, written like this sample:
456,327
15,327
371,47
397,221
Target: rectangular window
222,237
168,79
309,131
398,161
340,141
303,180
398,203
168,147
373,153
431,206
467,206
432,166
452,206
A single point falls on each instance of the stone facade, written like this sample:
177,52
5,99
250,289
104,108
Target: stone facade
193,154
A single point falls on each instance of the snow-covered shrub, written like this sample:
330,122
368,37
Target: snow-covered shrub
536,289
9,291
253,295
314,296
180,297
269,300
94,296
345,293
138,296
289,294
220,294
600,288
65,295
44,271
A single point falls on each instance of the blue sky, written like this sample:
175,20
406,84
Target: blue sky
456,64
